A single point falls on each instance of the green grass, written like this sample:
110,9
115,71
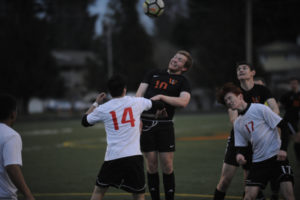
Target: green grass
61,159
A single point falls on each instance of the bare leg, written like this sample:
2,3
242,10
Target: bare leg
98,193
287,191
228,171
152,174
251,192
151,162
166,161
140,196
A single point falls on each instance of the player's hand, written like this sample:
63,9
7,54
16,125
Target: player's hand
161,113
156,97
233,114
282,155
100,97
240,159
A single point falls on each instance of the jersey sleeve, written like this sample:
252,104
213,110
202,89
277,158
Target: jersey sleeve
95,116
148,76
146,104
12,151
271,118
186,86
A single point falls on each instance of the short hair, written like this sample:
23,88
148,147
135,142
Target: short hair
244,63
189,62
8,105
116,85
226,88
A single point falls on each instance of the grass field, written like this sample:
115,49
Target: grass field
61,159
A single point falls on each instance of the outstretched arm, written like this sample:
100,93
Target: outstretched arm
16,176
181,101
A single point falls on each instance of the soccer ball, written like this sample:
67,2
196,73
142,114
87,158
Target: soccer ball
154,8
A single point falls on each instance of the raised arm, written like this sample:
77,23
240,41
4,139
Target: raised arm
181,101
273,105
98,101
141,90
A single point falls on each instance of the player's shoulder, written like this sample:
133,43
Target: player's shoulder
258,107
260,87
136,99
8,132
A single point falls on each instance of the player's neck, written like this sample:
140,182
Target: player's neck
242,108
247,84
7,122
174,72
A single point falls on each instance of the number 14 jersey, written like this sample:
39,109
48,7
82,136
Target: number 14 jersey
121,117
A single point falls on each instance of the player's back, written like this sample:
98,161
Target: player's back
121,117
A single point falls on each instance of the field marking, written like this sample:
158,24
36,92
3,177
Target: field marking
38,132
74,144
204,138
129,194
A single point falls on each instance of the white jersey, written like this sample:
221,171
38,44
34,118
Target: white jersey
121,117
10,150
259,127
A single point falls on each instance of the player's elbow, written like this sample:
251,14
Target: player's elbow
84,121
184,103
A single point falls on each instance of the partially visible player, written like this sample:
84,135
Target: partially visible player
291,103
11,176
257,124
123,165
253,93
158,136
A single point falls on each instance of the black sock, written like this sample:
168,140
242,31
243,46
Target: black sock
219,195
297,150
153,185
169,185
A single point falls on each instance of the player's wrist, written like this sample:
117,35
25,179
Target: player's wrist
95,104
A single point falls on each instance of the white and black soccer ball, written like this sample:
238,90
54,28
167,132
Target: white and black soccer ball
154,8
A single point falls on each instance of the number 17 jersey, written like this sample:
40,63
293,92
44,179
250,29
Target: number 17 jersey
121,117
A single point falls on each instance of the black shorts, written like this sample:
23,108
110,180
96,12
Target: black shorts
158,135
231,151
124,173
269,170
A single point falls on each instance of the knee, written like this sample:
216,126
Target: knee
167,168
152,167
249,196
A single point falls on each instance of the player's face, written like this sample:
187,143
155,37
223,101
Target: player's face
244,72
176,64
232,100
